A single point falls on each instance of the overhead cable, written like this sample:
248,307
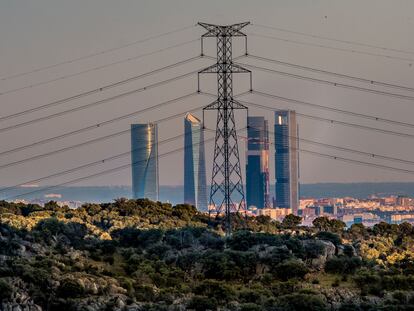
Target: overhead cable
406,59
73,60
327,82
95,103
94,126
97,90
331,73
96,68
334,39
105,172
337,110
88,142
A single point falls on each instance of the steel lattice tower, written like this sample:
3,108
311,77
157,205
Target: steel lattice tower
227,190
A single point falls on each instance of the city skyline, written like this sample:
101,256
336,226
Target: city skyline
116,25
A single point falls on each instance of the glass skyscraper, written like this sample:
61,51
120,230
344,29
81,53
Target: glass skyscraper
286,161
195,187
144,161
257,163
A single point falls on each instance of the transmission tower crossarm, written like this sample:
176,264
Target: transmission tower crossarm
234,68
234,105
221,30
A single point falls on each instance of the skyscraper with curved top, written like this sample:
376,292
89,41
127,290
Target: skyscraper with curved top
195,187
144,161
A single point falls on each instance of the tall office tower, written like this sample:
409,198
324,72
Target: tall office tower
286,160
144,161
257,163
195,187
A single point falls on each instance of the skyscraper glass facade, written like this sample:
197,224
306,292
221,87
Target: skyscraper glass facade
144,161
257,163
286,161
195,187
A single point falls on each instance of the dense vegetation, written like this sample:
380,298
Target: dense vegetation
143,255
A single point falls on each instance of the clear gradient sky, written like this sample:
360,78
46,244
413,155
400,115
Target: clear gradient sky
38,33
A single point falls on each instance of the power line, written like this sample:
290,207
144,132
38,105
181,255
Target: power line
332,157
317,106
353,161
64,77
88,142
105,172
359,152
95,126
339,75
70,61
331,48
333,121
96,103
330,83
345,149
98,90
334,39
88,165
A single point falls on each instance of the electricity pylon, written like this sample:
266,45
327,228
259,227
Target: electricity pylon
227,192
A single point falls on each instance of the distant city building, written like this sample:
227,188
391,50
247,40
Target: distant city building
404,201
274,213
323,210
257,163
400,218
286,161
195,186
307,212
144,161
367,219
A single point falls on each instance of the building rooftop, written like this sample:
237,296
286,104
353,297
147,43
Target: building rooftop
192,118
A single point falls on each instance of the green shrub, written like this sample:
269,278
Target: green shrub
291,221
349,307
249,296
313,249
300,302
343,265
329,236
336,283
5,289
144,293
202,303
70,289
218,290
400,296
291,269
250,307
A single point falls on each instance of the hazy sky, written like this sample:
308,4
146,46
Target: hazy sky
38,33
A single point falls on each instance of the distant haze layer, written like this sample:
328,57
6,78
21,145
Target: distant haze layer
174,194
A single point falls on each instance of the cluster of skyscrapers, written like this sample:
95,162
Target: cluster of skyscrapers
144,155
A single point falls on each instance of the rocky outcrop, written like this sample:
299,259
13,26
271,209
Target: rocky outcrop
20,299
20,307
93,285
326,251
117,303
